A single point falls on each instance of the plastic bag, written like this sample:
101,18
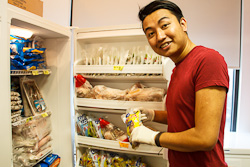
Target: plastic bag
112,132
132,119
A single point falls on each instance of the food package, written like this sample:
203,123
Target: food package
106,93
139,92
83,87
51,160
31,141
97,158
112,132
34,96
132,119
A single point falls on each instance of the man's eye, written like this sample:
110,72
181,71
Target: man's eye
164,26
150,34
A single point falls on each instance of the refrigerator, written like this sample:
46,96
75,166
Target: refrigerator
67,50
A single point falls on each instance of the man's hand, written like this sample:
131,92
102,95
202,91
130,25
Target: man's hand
144,135
147,115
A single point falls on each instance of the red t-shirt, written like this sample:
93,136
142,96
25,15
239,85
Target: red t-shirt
201,68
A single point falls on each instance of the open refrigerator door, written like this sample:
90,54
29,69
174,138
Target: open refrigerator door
114,70
40,70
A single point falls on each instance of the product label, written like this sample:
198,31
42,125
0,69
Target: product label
118,68
46,72
34,72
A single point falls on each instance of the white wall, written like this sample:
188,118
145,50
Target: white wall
243,124
58,11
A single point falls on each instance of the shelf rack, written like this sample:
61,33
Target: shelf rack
30,72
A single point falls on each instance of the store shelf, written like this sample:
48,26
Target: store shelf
30,72
27,119
116,146
117,104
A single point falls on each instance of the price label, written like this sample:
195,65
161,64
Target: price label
35,73
44,114
118,68
46,72
124,145
29,119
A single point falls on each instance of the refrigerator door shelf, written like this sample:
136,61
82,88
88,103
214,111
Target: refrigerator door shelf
109,69
117,104
116,146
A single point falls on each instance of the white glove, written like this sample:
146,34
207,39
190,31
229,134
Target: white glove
147,115
142,134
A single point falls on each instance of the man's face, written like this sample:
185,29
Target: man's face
166,35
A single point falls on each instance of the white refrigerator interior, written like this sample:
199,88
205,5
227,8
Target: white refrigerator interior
102,57
53,82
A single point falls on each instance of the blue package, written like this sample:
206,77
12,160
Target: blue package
16,48
47,161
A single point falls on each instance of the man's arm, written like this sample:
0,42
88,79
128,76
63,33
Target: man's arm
209,104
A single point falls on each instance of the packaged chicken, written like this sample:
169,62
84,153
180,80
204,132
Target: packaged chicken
112,132
83,87
106,93
139,92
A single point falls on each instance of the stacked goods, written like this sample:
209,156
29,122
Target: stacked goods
99,128
31,141
138,92
16,107
26,54
96,158
16,101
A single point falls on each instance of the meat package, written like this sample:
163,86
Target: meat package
31,141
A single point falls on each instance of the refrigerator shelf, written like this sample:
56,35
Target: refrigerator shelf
27,119
151,78
30,72
117,104
116,146
118,69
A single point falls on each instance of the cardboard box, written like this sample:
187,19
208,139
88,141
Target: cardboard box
33,6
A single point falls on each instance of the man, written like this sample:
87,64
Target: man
196,97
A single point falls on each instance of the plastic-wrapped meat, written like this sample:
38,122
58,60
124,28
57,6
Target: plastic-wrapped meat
112,132
84,92
83,87
141,93
106,93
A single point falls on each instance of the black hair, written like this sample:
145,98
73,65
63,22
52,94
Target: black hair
160,4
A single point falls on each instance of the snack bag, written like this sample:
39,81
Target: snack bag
132,119
82,123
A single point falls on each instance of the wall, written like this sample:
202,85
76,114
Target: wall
57,11
243,124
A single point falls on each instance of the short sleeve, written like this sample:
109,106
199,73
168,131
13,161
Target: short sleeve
212,71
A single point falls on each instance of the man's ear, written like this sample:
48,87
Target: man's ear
183,23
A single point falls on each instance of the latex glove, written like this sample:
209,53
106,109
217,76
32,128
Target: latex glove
147,115
142,134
